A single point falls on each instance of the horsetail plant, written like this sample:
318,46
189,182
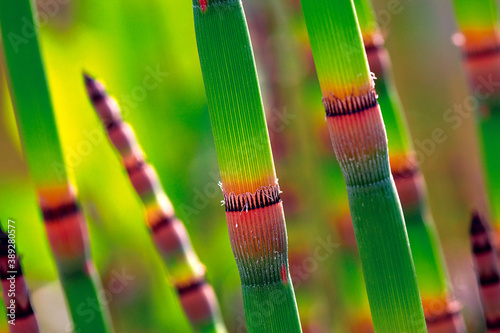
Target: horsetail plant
169,234
441,311
360,144
64,222
20,315
254,210
479,39
488,273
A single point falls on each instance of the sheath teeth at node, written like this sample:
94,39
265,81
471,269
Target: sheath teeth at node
335,106
264,196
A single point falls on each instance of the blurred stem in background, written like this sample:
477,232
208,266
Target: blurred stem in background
487,271
254,209
479,39
295,153
441,311
64,222
168,232
360,144
16,296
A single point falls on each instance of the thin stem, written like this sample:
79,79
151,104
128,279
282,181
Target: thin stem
20,315
479,39
168,232
488,272
64,222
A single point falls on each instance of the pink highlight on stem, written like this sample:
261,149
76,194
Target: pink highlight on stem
65,226
258,240
198,303
284,274
203,5
360,136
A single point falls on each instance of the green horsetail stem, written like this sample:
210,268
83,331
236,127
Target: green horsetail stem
360,144
169,234
64,222
441,311
20,315
254,210
479,39
488,273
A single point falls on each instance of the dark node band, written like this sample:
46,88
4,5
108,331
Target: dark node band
493,324
136,167
23,312
477,225
350,105
4,244
372,47
264,197
112,124
482,248
97,96
14,272
489,279
478,54
58,213
407,171
193,285
163,222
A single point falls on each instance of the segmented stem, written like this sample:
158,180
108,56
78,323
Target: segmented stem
479,39
441,311
64,222
168,232
20,315
488,272
360,144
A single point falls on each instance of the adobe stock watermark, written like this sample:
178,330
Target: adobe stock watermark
383,18
457,287
73,157
278,120
201,198
301,273
151,81
94,137
455,117
89,309
47,9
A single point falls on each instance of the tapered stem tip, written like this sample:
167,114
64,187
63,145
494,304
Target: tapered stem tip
4,243
87,78
477,224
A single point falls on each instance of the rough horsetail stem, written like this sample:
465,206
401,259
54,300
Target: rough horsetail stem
360,144
254,210
479,39
169,234
442,313
64,222
20,315
488,273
